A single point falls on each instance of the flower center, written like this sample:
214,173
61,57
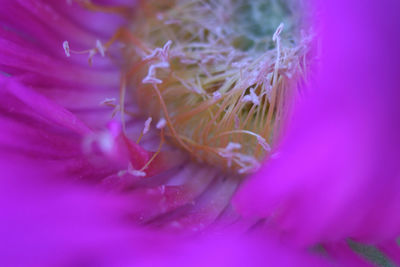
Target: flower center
223,74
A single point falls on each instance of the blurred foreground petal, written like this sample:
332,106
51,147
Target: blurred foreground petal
338,174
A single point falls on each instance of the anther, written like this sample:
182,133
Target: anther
66,48
100,48
147,125
161,124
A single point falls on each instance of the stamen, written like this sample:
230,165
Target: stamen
146,129
161,124
138,173
91,52
122,92
263,143
156,153
66,48
229,153
217,95
251,98
100,48
108,102
160,54
277,32
147,125
132,172
248,164
150,78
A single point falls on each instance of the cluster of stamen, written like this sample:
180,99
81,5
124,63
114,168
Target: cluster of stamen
225,105
224,95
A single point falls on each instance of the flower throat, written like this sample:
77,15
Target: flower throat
222,75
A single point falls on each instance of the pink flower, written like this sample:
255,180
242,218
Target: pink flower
87,182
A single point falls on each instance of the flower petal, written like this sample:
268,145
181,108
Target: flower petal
338,172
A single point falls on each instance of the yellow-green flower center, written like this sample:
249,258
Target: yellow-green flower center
223,74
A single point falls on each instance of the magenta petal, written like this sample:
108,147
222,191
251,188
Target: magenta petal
50,224
44,106
337,173
53,223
